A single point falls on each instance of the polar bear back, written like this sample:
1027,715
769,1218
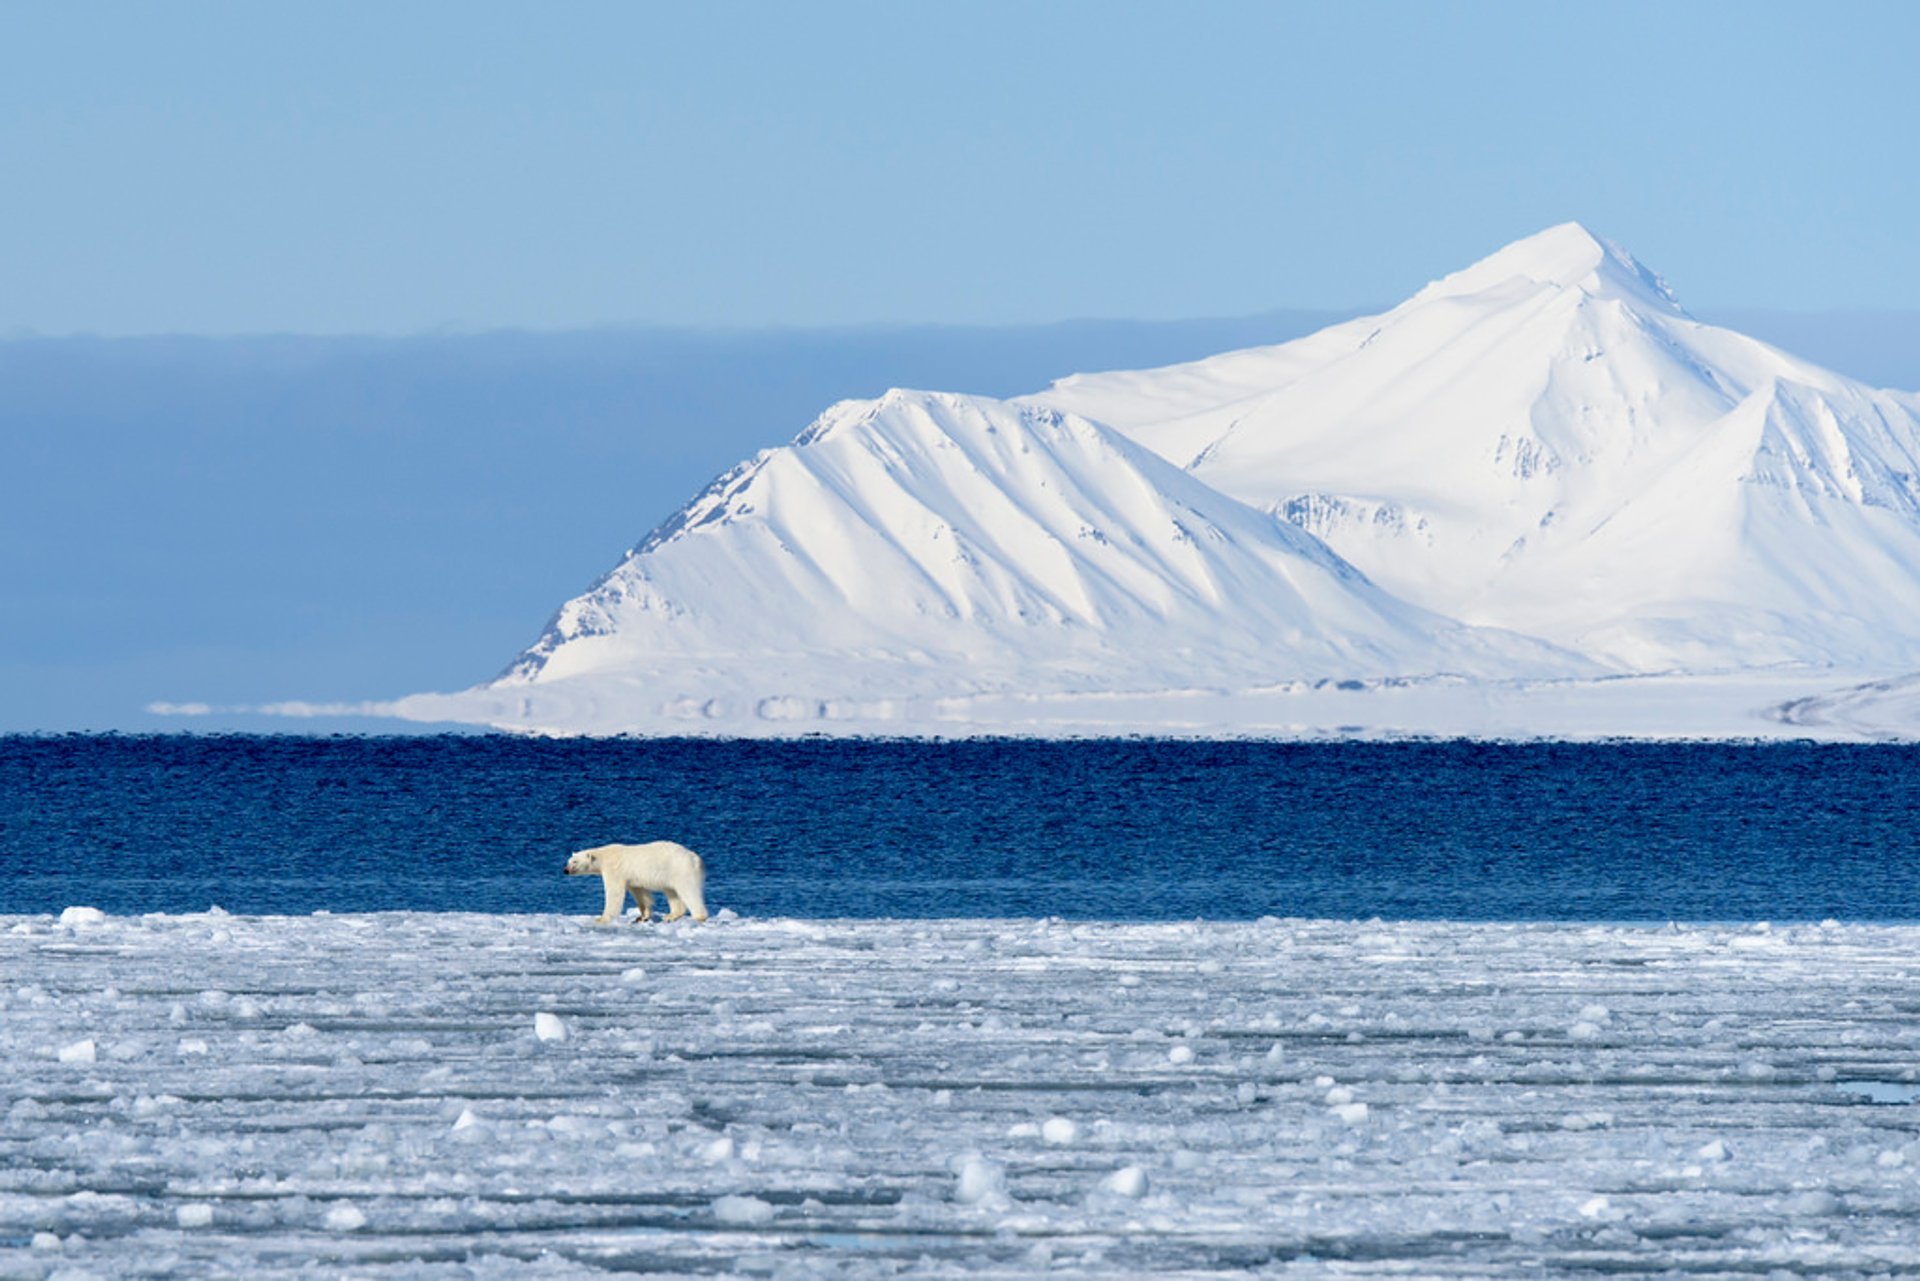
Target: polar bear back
656,865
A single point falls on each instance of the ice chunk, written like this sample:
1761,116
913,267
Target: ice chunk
741,1211
78,1052
1817,1201
466,1120
548,1027
345,1217
1059,1129
980,1180
45,1241
1352,1113
1715,1151
1180,1054
197,1215
77,916
1127,1181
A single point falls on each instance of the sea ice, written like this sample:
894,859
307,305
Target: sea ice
885,1098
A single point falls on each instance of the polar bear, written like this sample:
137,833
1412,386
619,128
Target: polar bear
671,868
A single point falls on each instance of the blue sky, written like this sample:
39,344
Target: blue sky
226,168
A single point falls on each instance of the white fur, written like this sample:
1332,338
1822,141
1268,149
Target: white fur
670,868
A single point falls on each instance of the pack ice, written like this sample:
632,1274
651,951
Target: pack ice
451,1095
1537,497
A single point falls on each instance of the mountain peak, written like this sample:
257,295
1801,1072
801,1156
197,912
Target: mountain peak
1566,256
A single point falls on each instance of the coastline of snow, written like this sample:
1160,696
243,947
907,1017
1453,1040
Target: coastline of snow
699,700
470,1095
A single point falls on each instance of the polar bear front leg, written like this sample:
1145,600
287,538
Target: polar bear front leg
616,900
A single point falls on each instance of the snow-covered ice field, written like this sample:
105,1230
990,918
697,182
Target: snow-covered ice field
468,1095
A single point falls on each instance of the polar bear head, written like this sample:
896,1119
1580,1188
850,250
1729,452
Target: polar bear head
584,863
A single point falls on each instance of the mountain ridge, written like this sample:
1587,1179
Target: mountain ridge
1536,470
1459,448
925,523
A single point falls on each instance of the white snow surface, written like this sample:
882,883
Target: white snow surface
879,1098
1538,470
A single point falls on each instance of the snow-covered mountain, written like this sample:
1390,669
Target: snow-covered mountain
1547,442
925,545
1474,513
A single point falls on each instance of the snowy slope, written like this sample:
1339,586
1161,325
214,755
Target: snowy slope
1448,518
924,545
1547,442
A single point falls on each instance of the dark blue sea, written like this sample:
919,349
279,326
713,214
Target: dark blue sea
1125,830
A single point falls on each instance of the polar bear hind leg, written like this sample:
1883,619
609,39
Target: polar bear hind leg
675,908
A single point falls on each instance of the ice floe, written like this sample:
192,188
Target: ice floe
359,1094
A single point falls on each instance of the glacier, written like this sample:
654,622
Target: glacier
1538,498
451,1094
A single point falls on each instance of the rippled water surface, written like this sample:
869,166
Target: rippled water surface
1129,830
